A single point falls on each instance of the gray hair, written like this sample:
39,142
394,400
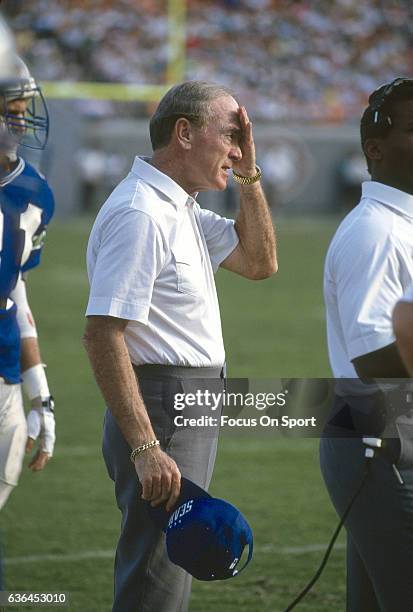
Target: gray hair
191,100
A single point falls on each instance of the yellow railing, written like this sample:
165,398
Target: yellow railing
175,71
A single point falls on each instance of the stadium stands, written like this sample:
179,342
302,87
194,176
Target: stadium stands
307,60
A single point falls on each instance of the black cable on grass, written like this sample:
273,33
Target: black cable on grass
318,573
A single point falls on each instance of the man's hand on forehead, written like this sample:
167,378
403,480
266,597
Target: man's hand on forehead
246,166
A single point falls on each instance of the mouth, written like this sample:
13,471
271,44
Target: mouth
226,169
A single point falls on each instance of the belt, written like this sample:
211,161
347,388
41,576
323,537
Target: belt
154,370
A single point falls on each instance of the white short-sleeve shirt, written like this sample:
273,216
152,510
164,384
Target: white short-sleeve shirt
408,296
151,259
368,268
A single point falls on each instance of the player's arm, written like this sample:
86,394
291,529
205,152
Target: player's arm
40,419
403,329
105,344
255,256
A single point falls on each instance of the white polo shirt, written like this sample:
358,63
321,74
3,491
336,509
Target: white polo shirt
368,268
408,296
151,259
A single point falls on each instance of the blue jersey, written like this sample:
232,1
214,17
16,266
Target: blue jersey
26,207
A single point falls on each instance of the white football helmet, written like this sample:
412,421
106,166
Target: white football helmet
28,123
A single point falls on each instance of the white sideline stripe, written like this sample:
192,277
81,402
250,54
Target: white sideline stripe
82,556
296,550
110,554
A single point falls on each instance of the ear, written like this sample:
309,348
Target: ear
373,148
184,133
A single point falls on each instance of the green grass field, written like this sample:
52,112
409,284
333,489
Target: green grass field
60,527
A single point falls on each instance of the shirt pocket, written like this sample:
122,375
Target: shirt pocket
188,273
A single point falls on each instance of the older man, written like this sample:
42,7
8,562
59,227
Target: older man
153,325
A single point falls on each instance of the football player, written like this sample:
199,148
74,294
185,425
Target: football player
27,206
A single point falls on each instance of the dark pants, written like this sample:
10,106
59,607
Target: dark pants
145,579
379,526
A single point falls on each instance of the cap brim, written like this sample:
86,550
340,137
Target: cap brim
189,490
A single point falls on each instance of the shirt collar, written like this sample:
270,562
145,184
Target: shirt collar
162,182
8,178
399,200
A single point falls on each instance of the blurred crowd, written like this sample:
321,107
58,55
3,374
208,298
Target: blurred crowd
289,60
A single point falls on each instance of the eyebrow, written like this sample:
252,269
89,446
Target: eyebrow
232,128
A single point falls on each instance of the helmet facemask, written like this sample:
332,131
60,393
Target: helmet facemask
25,114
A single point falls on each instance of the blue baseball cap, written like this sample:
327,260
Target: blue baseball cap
205,536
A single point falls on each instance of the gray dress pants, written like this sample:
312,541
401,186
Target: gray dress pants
145,579
379,526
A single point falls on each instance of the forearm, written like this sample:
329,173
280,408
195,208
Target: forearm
34,376
30,353
115,377
256,231
40,419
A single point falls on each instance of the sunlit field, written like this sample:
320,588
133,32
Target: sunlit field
60,527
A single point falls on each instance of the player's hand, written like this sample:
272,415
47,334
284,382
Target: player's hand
159,476
246,166
41,427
